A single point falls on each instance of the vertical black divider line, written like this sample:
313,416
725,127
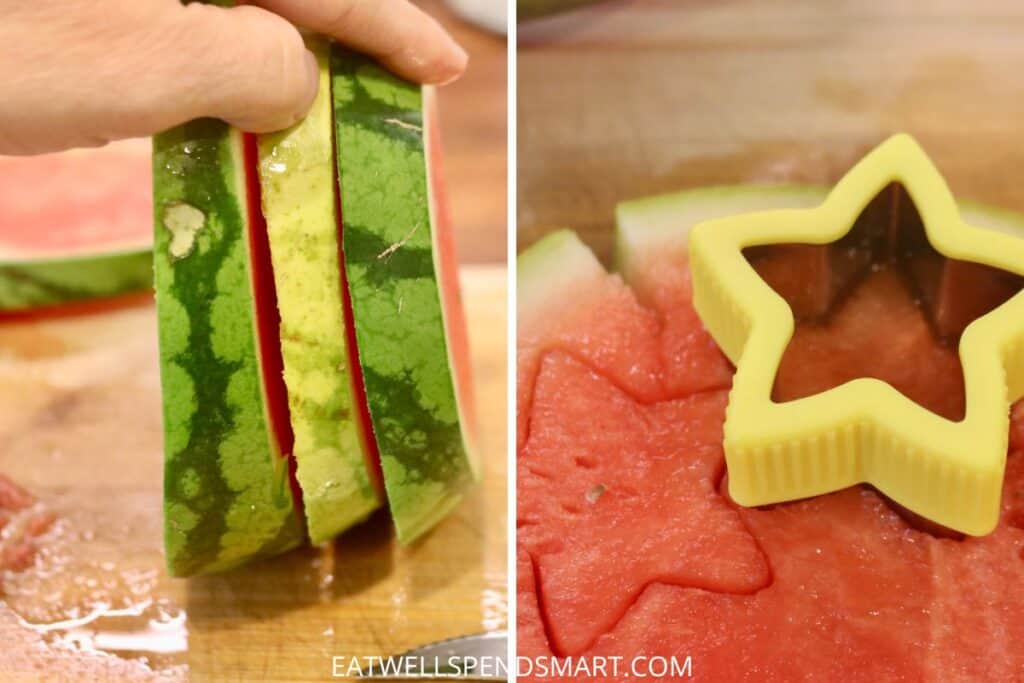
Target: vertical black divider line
268,321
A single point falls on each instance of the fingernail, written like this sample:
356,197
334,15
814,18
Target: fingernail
455,66
313,76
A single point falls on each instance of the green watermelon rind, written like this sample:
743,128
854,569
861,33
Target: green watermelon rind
664,222
227,497
559,262
392,277
297,181
41,282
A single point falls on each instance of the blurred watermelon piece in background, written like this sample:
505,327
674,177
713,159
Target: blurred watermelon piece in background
75,226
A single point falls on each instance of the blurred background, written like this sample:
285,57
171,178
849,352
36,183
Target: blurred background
474,110
623,99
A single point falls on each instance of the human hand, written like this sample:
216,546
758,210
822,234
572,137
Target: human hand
79,73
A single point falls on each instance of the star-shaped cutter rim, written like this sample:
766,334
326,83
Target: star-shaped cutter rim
863,431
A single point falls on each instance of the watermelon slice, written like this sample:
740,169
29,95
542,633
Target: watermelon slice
227,493
333,456
620,444
402,284
75,226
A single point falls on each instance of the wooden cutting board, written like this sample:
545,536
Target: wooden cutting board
625,99
80,427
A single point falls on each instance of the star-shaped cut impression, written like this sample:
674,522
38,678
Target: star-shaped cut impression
892,210
603,475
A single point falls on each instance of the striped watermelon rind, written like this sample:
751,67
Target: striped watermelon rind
297,185
36,283
390,253
226,487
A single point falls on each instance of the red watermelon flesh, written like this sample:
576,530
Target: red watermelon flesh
612,332
838,587
456,329
690,361
77,202
877,331
583,498
268,319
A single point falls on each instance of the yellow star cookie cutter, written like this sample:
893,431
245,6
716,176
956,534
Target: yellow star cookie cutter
864,430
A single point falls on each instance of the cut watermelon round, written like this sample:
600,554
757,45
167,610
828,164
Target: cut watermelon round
333,457
620,410
401,280
227,494
75,226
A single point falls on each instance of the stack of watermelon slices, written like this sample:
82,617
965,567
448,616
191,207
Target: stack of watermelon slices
312,344
628,544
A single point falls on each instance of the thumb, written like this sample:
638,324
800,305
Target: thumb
242,64
91,77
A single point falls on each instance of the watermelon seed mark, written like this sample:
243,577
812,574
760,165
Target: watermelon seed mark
386,254
540,474
184,222
573,509
404,124
585,463
594,494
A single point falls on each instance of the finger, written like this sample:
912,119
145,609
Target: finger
155,65
395,32
265,79
244,65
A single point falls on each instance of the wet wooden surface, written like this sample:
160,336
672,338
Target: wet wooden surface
80,427
626,99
